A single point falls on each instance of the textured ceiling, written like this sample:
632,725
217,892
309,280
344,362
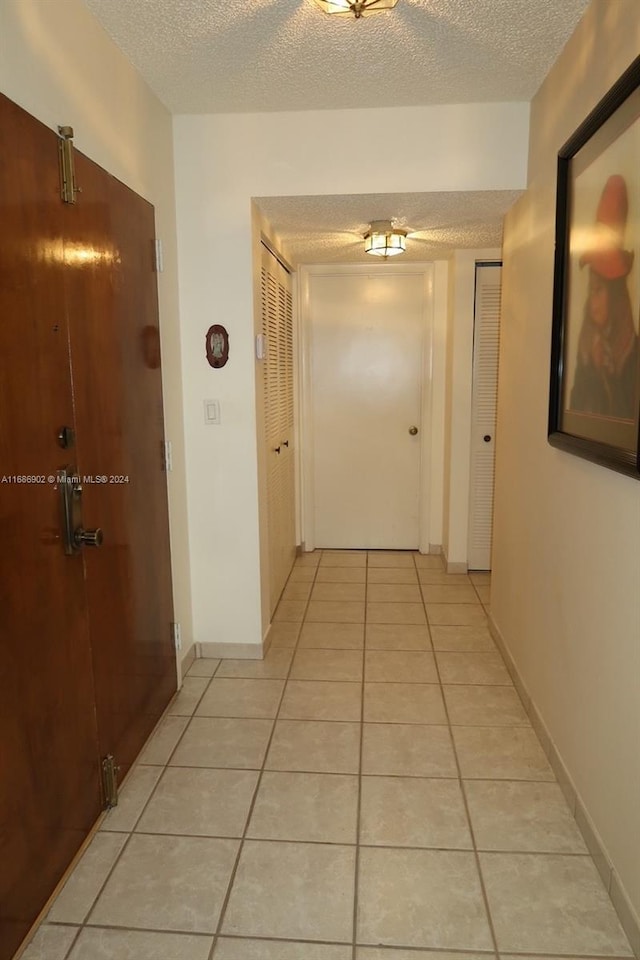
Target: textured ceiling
224,56
329,229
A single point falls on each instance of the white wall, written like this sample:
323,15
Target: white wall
459,385
58,64
221,163
566,584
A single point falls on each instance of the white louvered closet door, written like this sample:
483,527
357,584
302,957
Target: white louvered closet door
277,326
486,343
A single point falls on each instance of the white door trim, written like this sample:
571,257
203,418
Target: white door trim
306,444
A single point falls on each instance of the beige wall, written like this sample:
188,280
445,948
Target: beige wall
566,586
58,64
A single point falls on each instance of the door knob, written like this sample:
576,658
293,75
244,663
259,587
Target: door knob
88,538
486,438
413,431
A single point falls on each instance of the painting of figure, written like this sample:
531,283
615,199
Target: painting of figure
594,395
606,371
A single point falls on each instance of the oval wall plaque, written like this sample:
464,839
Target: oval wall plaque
217,344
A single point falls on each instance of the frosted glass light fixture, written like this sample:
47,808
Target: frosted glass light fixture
357,8
384,240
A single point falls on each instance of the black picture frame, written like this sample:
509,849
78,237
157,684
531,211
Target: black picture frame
594,396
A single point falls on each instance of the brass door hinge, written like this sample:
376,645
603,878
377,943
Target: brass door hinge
68,188
110,771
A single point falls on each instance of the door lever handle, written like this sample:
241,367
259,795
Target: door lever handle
75,536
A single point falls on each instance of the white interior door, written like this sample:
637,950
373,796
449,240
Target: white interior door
486,345
366,359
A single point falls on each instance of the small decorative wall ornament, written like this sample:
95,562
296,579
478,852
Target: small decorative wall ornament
217,345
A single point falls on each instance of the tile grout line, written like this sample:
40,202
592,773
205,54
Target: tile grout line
232,877
485,897
480,600
336,773
338,943
344,843
130,834
463,791
356,877
447,683
71,946
379,683
165,766
464,951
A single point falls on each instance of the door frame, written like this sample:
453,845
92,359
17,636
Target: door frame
305,439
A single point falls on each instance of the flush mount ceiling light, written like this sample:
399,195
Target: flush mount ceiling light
359,8
384,240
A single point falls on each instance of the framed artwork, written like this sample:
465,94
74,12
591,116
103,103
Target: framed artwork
594,403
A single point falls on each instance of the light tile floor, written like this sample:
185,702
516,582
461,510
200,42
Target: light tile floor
372,790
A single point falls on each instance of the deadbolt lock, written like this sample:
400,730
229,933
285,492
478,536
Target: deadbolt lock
66,437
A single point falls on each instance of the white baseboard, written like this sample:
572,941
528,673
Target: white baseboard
231,651
454,566
188,659
622,905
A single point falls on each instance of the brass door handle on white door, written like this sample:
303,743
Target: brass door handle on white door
413,431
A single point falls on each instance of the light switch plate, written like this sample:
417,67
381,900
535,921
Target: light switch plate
211,411
262,347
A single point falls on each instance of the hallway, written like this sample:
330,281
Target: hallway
372,790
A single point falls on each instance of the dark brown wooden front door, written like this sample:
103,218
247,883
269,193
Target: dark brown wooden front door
49,782
115,356
87,663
